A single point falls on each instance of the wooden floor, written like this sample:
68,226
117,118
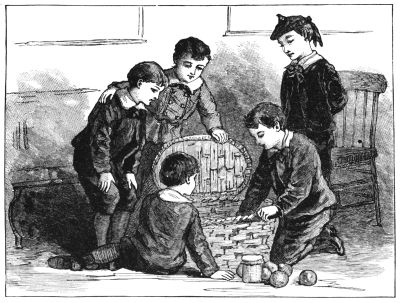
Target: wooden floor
367,270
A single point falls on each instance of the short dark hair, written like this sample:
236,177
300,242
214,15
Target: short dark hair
148,72
193,46
267,114
177,168
301,25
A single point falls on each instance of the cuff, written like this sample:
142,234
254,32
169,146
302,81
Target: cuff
209,272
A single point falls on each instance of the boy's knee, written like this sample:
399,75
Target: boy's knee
109,200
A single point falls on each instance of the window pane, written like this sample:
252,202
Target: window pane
57,23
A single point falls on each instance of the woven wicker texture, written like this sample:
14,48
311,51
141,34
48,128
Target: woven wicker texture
225,169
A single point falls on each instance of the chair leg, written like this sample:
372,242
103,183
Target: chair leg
376,193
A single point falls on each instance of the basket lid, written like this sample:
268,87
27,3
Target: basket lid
225,169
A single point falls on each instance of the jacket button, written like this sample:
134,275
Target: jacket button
182,105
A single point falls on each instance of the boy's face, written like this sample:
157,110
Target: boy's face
294,45
267,137
148,92
187,69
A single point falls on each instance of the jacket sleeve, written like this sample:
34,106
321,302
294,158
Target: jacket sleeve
100,138
132,161
304,166
198,247
336,94
119,85
208,109
259,187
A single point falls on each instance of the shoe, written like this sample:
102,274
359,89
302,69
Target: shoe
339,245
113,266
64,262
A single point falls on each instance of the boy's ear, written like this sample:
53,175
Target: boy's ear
139,83
187,180
277,126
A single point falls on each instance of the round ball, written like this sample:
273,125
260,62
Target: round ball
307,278
271,266
279,279
286,268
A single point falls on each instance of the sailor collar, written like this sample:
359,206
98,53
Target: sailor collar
306,61
173,79
171,195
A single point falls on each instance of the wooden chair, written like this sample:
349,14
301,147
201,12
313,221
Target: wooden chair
354,176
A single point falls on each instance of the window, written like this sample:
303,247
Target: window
330,19
74,25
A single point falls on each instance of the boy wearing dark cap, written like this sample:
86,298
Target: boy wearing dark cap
311,91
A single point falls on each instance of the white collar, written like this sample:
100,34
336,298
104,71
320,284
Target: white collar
173,79
171,195
126,98
309,59
287,138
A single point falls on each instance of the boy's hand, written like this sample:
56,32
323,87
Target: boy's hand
108,93
105,181
131,180
268,211
223,275
220,135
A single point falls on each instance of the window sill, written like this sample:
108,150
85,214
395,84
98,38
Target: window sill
93,42
269,32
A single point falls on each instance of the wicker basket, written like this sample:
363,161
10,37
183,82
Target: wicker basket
225,170
229,241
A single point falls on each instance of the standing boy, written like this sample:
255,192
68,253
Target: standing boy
311,91
108,150
168,223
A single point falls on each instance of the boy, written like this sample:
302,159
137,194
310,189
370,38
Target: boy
186,93
168,222
290,165
311,91
108,151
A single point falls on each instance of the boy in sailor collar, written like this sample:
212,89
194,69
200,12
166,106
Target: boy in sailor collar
168,223
107,152
311,91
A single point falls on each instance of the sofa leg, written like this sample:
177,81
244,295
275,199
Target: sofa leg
375,188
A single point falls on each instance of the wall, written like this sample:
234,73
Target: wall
244,71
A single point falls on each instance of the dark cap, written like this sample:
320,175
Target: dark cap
287,24
300,24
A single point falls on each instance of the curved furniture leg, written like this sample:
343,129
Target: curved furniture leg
11,216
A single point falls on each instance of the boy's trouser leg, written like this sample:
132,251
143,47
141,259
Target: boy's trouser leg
101,225
119,221
104,205
324,143
126,205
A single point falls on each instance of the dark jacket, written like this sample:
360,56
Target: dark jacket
168,222
311,94
294,173
112,140
177,103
